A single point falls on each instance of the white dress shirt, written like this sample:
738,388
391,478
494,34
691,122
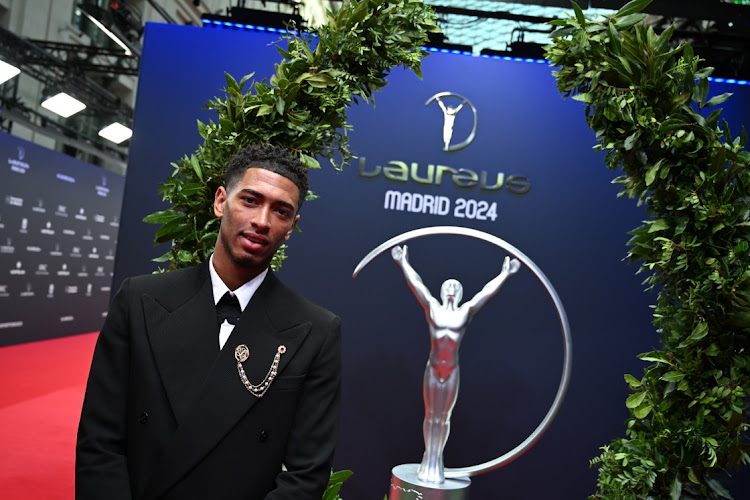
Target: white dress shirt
243,294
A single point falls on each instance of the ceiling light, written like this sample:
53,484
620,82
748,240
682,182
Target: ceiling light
116,133
7,71
63,105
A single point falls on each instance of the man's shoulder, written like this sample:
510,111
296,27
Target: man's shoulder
298,304
170,282
174,276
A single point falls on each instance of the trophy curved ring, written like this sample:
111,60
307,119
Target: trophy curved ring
532,439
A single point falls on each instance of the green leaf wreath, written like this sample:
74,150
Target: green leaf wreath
301,107
648,103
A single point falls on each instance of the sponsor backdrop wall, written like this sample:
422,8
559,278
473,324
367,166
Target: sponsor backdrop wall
58,231
529,177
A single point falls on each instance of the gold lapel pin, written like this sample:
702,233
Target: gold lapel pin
241,354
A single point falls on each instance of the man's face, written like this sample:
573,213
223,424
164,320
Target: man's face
257,216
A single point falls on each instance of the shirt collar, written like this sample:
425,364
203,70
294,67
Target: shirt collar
243,293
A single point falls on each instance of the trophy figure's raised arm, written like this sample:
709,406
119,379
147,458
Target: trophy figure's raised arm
447,322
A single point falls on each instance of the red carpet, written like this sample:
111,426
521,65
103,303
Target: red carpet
40,404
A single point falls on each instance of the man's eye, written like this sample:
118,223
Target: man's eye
248,200
283,211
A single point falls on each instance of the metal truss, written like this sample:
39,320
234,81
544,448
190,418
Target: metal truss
65,74
86,58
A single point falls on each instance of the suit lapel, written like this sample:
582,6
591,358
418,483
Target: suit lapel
184,341
224,399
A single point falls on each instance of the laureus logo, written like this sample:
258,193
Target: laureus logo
21,153
451,104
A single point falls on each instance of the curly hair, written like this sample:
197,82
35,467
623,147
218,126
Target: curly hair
272,158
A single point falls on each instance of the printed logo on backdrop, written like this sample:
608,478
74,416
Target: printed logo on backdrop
63,271
102,189
66,178
17,164
14,201
28,292
484,182
450,111
19,270
8,248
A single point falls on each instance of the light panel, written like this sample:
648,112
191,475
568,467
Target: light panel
7,71
63,105
116,133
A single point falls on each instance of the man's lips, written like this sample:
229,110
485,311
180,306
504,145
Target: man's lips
255,238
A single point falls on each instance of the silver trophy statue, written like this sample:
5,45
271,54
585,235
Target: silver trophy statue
447,322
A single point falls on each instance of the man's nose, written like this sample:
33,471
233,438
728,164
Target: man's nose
262,218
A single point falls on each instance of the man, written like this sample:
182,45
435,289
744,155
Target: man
448,322
182,405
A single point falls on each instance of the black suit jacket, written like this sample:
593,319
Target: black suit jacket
166,415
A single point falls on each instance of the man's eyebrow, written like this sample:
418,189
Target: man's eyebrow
260,195
253,192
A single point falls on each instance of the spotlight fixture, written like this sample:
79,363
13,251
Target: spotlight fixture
63,105
107,31
116,133
7,71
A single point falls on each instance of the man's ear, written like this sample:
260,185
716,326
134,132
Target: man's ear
220,199
291,229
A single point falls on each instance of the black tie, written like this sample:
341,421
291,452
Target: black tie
228,309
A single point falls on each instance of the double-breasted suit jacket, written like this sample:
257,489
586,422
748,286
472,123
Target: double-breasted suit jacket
166,415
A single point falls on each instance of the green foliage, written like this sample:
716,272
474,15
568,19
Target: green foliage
334,484
301,107
648,104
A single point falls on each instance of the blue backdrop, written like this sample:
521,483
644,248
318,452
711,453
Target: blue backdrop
59,221
556,205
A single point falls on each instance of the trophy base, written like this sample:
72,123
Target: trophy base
406,486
